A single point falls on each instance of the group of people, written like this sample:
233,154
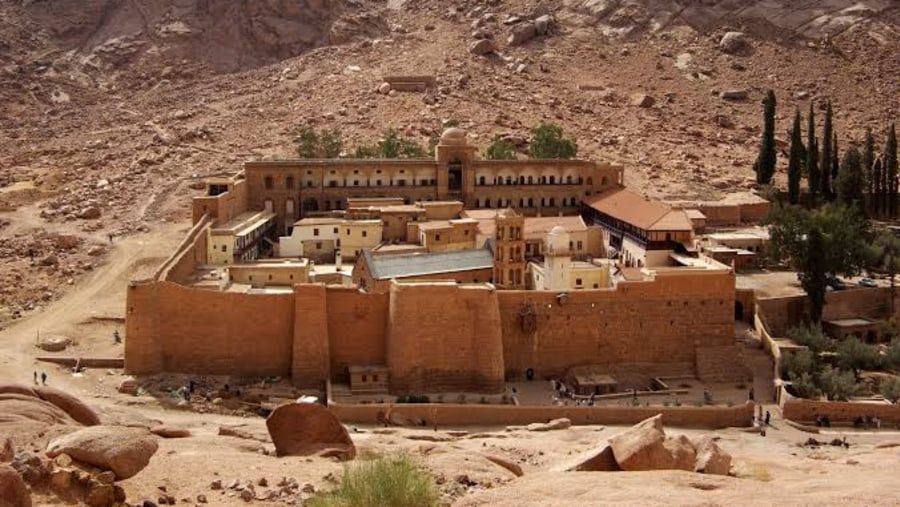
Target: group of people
562,394
43,378
870,421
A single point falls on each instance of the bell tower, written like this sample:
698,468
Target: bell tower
509,250
455,176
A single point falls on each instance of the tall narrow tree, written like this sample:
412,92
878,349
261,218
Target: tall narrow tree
765,161
849,183
825,161
813,274
868,164
835,158
878,193
795,162
890,167
812,158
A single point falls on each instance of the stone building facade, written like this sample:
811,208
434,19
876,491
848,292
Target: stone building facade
293,189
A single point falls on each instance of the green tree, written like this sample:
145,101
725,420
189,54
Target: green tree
501,149
795,162
547,142
835,163
805,385
892,357
887,257
764,167
307,142
868,167
810,336
831,239
825,162
797,363
855,355
812,158
389,146
836,384
330,143
850,184
890,169
366,151
890,389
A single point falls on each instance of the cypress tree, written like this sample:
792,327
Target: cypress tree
825,162
890,167
878,197
849,184
868,163
812,157
795,162
835,164
765,161
813,274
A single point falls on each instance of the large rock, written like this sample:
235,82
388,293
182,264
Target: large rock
20,408
7,451
543,24
302,429
505,463
522,33
54,343
734,94
600,459
481,47
642,100
734,42
69,404
682,452
711,459
13,492
642,447
123,450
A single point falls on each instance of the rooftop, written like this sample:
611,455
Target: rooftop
243,223
639,211
318,221
385,267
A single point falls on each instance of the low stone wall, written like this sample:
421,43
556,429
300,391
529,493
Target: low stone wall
446,414
802,411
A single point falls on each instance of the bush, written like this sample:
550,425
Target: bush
892,357
856,355
836,384
890,389
392,145
501,149
311,144
804,385
387,481
810,336
547,141
798,363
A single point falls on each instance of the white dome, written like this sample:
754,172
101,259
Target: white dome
558,239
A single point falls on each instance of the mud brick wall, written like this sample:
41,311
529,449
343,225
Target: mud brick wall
357,329
801,410
648,322
444,338
780,314
178,329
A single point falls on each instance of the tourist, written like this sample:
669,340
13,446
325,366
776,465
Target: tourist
110,238
877,421
768,417
116,337
35,378
191,386
751,394
44,378
818,420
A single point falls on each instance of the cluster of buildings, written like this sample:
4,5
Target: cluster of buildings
386,227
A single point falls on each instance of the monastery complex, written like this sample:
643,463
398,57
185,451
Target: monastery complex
425,276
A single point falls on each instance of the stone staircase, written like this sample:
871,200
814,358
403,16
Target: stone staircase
722,364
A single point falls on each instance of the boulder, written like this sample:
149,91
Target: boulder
642,100
128,385
124,450
505,463
600,459
19,408
481,47
8,451
384,88
684,456
170,431
13,491
521,33
69,404
543,24
54,343
642,447
559,424
734,42
89,213
301,429
735,94
711,459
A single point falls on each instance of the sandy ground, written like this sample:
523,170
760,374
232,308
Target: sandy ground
768,470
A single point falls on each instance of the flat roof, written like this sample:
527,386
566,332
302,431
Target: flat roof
738,235
244,223
385,267
445,224
858,321
318,221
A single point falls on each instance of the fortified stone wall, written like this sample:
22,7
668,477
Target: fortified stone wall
357,329
780,314
190,252
174,328
501,415
647,322
444,338
801,410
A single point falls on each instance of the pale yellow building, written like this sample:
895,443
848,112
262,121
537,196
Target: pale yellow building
359,235
265,273
559,272
313,238
241,239
445,235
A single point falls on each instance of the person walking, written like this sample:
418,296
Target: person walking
768,417
44,378
35,378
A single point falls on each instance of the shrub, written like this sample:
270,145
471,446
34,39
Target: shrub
330,143
547,141
798,363
836,384
501,149
387,481
856,355
890,389
892,357
810,336
804,385
307,142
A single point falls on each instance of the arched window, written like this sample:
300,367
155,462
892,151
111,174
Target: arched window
521,180
604,181
268,182
477,203
531,180
552,180
289,182
521,202
509,180
552,202
590,181
487,203
569,179
543,180
530,202
481,180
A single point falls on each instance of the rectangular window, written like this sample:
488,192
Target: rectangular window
365,233
579,245
224,248
289,182
578,281
318,245
348,232
268,182
315,232
437,237
335,230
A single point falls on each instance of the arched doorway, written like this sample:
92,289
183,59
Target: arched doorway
454,175
738,310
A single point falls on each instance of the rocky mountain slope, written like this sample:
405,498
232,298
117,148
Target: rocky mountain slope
111,109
